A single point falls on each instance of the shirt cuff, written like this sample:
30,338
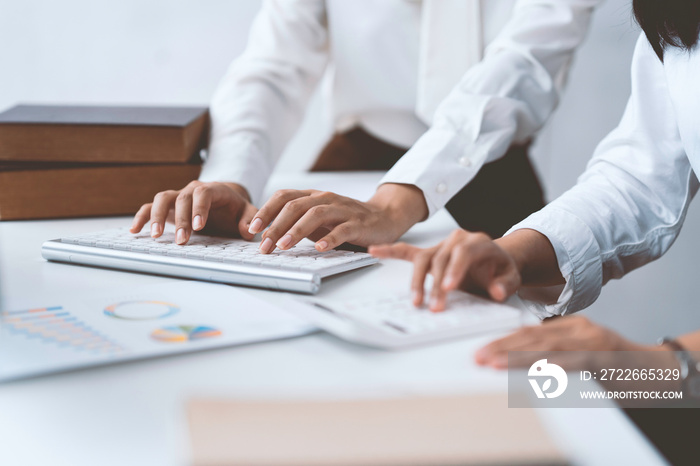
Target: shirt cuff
240,158
578,257
440,164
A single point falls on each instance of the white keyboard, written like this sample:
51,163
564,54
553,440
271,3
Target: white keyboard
208,258
393,321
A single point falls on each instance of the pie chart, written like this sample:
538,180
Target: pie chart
141,310
184,333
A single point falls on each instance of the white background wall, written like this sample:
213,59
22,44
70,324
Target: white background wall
175,51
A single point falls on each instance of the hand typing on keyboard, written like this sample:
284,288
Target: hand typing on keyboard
220,207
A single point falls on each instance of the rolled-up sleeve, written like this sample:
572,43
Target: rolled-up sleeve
628,207
260,102
503,100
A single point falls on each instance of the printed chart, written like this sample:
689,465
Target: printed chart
55,325
134,323
184,333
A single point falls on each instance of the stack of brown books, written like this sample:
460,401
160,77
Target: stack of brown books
58,161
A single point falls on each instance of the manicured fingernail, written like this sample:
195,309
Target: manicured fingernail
434,305
448,282
416,298
285,241
155,229
197,222
266,246
501,290
180,236
255,226
322,245
437,305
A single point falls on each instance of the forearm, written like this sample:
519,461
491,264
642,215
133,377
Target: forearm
260,101
266,90
534,256
242,159
504,99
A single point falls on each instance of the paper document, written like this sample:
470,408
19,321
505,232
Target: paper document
135,323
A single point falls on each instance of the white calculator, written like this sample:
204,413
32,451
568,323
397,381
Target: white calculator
392,321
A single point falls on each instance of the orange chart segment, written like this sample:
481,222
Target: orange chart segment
184,333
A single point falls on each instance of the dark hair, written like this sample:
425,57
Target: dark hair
669,23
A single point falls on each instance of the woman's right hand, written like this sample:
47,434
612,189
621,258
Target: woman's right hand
214,207
468,261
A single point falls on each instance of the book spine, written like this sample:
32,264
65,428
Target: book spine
87,192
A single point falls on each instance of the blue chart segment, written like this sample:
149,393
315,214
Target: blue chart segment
55,325
184,333
141,310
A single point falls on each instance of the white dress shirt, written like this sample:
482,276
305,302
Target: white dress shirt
458,80
629,205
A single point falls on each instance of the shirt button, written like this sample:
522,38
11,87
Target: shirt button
441,188
465,162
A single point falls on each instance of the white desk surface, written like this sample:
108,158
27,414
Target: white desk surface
134,413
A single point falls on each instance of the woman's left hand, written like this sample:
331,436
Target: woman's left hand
574,333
